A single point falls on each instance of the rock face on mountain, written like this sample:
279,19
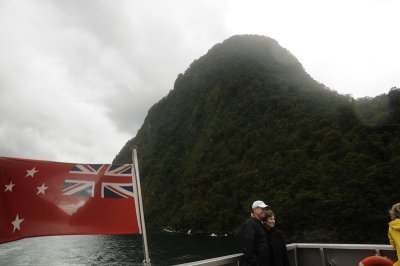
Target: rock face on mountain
246,122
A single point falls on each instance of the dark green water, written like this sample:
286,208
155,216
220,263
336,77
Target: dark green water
165,249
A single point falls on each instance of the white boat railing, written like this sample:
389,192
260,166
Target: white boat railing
314,254
225,260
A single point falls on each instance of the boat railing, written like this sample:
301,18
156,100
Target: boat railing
314,254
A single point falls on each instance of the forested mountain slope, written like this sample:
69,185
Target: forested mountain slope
246,122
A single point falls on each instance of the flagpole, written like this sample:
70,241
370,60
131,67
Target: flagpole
146,260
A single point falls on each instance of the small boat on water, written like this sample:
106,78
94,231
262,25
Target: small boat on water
169,230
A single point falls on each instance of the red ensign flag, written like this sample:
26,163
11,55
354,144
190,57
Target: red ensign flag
40,198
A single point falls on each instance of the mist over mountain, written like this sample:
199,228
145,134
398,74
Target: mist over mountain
246,122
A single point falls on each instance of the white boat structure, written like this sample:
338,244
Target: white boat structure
302,254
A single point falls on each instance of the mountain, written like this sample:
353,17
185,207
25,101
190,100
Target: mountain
246,122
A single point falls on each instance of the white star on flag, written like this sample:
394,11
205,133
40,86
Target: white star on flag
16,223
41,189
9,187
31,172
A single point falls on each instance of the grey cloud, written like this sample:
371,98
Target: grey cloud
78,77
151,51
81,75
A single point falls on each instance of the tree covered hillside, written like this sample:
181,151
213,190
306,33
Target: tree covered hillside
246,122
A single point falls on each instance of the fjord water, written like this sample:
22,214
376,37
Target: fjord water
165,249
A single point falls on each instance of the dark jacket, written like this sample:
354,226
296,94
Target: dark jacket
256,247
277,248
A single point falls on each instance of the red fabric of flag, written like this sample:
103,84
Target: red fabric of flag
41,198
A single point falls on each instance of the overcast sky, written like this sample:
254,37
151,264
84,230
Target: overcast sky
77,77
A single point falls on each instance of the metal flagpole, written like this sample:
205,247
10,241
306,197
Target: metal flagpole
146,260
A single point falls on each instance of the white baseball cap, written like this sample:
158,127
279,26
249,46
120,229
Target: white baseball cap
259,204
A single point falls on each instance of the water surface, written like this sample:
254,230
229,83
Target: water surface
166,248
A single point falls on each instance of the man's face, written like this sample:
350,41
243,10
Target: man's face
259,213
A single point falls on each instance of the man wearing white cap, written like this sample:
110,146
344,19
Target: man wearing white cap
256,247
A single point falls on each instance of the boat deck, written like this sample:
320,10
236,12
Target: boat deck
302,254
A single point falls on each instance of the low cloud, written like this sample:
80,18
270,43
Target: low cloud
77,77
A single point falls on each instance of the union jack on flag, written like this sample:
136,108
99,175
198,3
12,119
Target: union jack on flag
117,185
